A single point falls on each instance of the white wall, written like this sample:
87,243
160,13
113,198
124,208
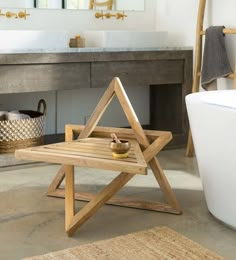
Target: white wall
179,19
71,105
76,22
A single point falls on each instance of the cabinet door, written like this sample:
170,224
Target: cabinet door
44,77
137,73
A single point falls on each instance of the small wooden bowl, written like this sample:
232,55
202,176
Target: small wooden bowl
120,150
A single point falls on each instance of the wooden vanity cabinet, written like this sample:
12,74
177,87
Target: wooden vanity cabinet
168,74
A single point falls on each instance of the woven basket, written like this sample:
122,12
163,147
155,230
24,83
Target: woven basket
16,134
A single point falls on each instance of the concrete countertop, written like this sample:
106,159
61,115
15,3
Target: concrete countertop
85,50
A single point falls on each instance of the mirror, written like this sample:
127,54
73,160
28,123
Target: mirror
16,3
121,5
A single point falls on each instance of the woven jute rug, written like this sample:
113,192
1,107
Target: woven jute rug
157,243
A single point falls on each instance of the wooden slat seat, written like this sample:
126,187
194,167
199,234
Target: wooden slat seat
88,152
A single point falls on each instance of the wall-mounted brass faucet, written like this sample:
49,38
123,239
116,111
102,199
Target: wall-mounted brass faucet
10,14
23,14
99,15
109,15
121,15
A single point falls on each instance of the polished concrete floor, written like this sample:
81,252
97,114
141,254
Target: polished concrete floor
32,223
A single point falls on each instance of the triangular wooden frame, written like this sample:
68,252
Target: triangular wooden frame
159,138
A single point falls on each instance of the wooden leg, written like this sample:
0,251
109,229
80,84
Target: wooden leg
97,202
58,179
144,142
156,147
121,201
69,195
189,149
164,184
61,173
235,75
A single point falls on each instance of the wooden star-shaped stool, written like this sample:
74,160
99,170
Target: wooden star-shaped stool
91,149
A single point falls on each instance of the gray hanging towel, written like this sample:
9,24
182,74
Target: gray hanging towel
215,61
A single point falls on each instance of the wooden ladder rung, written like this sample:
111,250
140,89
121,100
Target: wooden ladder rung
230,76
225,31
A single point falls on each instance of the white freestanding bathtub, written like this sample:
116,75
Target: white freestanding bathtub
212,117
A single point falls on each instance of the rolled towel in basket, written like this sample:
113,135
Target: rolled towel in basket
16,115
3,115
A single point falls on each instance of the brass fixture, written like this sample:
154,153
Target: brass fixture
121,15
1,14
108,4
99,15
11,14
109,15
23,14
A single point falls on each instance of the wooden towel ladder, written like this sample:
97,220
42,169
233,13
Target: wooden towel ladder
198,62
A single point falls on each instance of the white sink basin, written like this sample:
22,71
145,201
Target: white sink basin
125,39
33,39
